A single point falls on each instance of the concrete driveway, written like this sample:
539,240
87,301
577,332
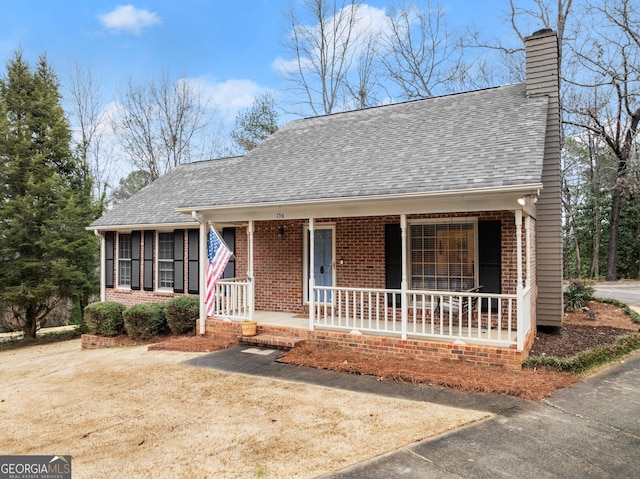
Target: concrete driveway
589,431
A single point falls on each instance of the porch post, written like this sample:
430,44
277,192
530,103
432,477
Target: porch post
312,281
251,299
527,236
103,264
404,305
519,289
202,254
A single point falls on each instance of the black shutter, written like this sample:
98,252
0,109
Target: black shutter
178,261
193,262
148,261
490,258
229,237
108,258
393,258
135,260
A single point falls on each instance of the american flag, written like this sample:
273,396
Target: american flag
218,256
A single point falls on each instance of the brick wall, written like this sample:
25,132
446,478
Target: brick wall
129,297
360,256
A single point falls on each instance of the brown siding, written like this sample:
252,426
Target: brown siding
543,80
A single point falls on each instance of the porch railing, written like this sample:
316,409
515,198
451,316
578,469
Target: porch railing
491,319
232,298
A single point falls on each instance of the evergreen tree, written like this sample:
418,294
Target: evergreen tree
255,124
46,255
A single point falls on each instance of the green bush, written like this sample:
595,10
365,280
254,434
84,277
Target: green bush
577,295
105,318
145,321
182,314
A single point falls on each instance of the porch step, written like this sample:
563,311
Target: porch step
272,340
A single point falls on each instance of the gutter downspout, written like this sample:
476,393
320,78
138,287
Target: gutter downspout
202,254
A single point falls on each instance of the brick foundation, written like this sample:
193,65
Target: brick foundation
409,349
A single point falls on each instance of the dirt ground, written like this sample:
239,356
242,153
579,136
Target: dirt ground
601,324
133,413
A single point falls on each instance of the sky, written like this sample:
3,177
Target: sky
230,47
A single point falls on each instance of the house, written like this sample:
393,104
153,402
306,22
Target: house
430,228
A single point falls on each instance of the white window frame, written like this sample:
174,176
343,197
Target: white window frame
120,260
448,222
159,261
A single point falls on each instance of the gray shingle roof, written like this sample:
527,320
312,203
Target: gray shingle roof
482,139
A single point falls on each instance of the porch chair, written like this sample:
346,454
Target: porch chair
453,305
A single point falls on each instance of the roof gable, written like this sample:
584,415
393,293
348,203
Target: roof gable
481,139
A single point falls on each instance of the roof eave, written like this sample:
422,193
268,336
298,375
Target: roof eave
478,199
138,227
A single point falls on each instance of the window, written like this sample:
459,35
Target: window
124,260
442,256
165,260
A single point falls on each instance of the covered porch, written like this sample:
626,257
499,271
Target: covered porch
465,317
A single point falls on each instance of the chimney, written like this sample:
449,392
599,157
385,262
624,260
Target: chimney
543,80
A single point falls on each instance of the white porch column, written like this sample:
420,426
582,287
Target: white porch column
103,263
252,297
312,281
404,307
527,233
519,288
202,283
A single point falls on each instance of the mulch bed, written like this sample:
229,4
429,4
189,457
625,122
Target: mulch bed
600,325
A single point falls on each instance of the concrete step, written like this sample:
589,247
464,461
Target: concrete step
272,341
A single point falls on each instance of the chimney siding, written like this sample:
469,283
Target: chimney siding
543,80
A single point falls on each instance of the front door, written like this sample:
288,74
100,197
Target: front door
322,260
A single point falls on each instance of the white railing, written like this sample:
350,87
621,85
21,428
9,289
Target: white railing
232,298
479,318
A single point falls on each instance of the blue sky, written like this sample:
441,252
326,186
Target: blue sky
228,46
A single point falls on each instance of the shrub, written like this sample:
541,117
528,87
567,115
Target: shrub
182,314
588,360
105,318
145,320
577,295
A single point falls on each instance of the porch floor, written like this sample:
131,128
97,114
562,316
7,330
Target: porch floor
301,321
275,318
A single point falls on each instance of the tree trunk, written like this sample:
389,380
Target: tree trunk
614,226
31,322
597,232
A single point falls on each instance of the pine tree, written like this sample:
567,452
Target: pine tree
46,255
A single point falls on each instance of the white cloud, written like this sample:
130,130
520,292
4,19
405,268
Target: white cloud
128,19
228,97
369,21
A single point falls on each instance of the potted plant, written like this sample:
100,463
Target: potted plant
249,327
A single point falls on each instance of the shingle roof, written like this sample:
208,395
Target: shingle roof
482,139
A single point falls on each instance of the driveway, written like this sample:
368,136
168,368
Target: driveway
626,291
589,431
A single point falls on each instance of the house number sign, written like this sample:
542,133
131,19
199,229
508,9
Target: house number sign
280,216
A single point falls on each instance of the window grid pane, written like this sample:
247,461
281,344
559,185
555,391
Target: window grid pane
442,256
124,260
165,260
